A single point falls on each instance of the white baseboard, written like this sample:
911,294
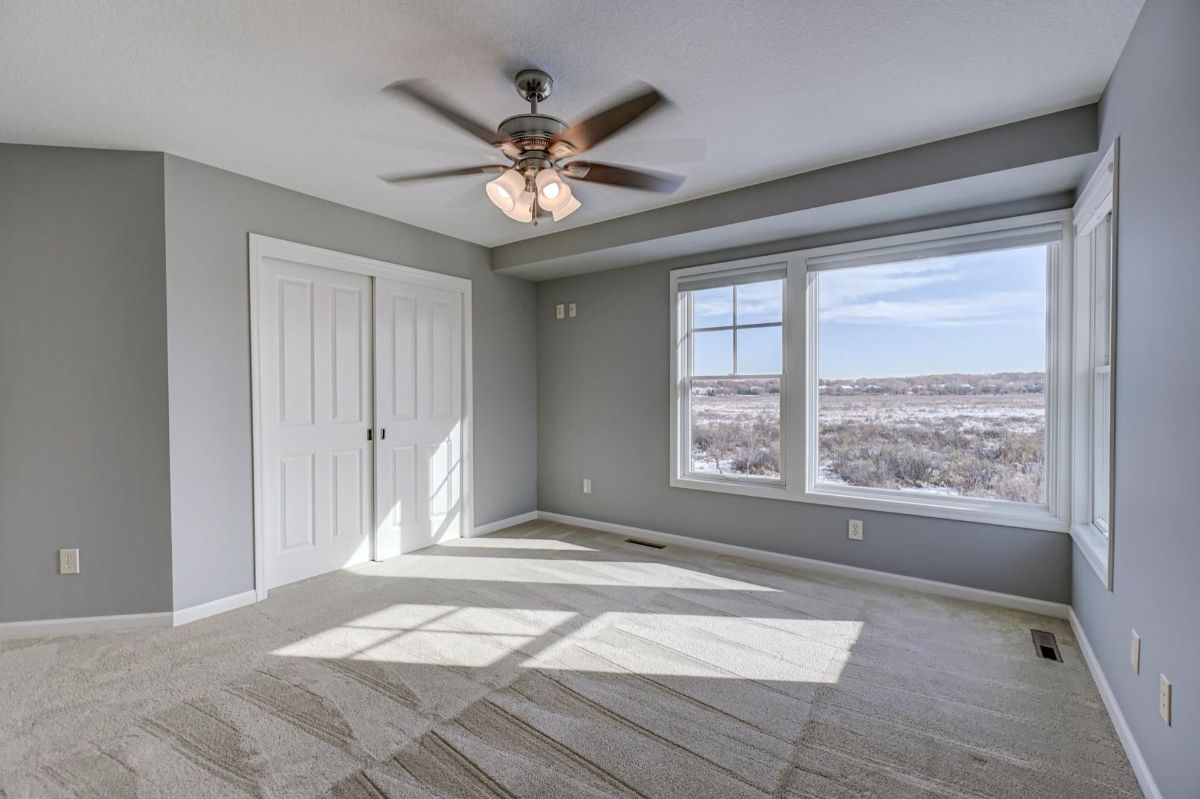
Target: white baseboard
84,624
1140,769
511,521
1044,607
203,611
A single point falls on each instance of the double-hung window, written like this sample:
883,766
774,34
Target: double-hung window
1094,336
730,374
926,373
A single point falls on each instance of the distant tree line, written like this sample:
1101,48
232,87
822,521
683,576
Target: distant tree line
741,386
938,385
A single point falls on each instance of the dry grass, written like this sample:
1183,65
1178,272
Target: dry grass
989,446
975,446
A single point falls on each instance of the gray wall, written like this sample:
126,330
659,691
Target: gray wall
604,413
83,383
209,214
1153,104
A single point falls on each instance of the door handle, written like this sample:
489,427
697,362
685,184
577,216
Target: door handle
368,434
382,434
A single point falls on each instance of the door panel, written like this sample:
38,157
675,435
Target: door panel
315,398
297,501
402,357
441,362
296,352
419,382
348,307
397,497
348,487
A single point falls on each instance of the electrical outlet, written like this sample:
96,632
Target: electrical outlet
1135,651
855,530
587,485
1164,698
68,561
559,311
571,310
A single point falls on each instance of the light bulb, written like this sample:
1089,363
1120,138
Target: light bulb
523,208
504,190
569,208
553,192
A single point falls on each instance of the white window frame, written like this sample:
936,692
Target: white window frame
800,384
1097,203
681,370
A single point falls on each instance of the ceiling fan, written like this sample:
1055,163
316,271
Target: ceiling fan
539,147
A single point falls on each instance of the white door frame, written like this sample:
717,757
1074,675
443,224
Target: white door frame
267,247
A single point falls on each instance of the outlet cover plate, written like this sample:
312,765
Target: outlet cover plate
855,530
68,561
1164,698
1135,651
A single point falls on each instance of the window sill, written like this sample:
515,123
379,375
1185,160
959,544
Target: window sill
1005,514
1002,514
748,488
1094,546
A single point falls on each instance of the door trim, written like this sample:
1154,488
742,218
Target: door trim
262,247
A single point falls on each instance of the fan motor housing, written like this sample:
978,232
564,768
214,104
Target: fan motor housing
532,131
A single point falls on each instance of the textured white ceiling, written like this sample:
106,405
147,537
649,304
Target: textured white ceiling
287,91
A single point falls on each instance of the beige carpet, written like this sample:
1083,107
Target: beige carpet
550,661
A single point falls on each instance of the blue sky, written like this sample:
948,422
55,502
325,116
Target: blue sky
977,313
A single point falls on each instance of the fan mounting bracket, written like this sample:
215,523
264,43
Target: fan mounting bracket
533,85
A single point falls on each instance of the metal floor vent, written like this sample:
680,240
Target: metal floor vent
645,543
1046,645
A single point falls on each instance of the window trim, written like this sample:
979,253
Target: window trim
797,406
681,409
1097,200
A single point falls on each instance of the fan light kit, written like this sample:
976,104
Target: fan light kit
532,186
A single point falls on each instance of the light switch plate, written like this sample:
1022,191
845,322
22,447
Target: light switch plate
68,561
1135,651
559,311
587,485
1164,698
855,530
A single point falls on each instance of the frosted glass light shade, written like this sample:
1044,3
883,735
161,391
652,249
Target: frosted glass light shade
504,190
553,193
572,205
523,208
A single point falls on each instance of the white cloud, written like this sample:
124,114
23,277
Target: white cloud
981,309
843,287
756,302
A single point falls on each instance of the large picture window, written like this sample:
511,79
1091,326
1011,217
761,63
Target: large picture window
932,375
927,373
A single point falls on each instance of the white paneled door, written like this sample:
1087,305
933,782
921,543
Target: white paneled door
360,412
419,416
315,383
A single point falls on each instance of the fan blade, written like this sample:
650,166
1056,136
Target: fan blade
423,93
587,133
661,152
447,145
487,169
613,175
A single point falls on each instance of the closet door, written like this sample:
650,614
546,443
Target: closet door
315,399
418,412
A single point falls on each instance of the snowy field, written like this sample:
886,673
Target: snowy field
980,445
